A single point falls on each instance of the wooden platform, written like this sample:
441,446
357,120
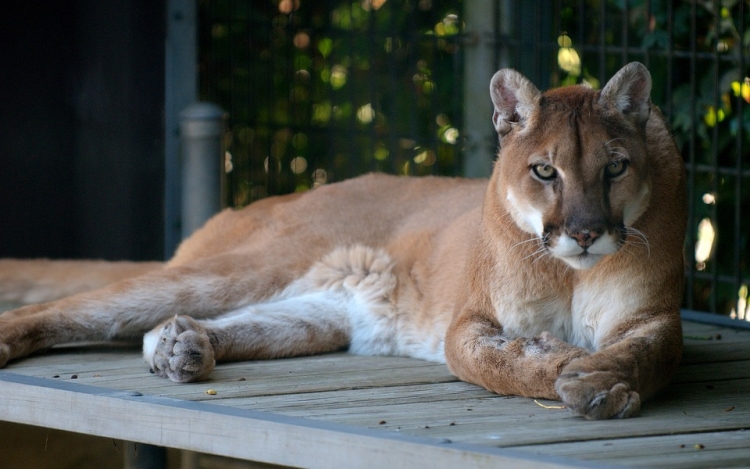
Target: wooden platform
344,411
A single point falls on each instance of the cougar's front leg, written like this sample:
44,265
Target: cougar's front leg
129,308
633,363
477,351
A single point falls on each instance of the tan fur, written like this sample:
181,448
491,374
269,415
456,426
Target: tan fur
563,288
41,280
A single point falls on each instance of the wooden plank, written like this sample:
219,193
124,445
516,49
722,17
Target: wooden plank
710,372
300,404
290,376
81,359
302,386
694,330
429,410
237,433
409,402
722,449
714,352
395,398
339,371
113,368
501,421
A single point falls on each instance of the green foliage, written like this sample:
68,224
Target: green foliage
329,90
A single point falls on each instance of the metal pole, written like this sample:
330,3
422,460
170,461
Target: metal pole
201,133
479,53
181,89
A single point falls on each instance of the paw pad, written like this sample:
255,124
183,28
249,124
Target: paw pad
180,350
592,396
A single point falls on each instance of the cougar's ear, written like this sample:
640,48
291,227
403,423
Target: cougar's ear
629,92
514,97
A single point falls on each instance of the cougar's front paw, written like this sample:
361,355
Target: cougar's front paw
179,350
597,395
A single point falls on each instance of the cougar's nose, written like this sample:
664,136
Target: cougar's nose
585,238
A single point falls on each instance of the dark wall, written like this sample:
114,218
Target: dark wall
81,129
37,129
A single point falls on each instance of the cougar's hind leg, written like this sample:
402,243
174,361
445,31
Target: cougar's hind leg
129,308
344,299
29,281
184,349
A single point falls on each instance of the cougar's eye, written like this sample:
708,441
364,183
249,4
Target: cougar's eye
544,172
615,168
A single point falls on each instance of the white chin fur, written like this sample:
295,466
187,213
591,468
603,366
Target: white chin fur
582,262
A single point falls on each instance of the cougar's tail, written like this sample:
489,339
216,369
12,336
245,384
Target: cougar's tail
40,280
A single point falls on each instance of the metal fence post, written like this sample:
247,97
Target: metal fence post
481,138
201,133
181,89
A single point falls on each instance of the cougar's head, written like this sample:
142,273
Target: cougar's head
572,167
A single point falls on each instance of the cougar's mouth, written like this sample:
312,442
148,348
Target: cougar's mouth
583,261
582,253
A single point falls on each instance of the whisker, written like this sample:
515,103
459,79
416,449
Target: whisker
536,238
541,249
542,254
539,253
636,238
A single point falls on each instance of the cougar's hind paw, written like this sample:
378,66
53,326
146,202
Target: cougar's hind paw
179,350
